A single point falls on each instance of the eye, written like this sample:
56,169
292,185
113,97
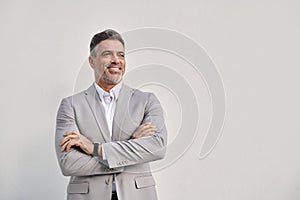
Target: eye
122,54
106,53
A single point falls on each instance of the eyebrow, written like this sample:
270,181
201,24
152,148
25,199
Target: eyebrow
112,51
122,53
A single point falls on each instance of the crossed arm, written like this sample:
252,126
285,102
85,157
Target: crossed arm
74,149
74,138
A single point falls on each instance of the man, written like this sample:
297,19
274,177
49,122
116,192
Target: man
107,135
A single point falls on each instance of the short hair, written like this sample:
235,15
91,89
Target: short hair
108,34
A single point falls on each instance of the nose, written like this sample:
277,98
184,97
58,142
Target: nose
115,59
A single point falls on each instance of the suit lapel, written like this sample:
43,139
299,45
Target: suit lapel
122,111
97,109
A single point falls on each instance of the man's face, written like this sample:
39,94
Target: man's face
108,63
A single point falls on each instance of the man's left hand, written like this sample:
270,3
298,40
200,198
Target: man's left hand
73,138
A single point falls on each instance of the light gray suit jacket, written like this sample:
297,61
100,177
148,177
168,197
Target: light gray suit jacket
127,159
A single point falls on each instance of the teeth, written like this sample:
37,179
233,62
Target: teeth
109,67
114,70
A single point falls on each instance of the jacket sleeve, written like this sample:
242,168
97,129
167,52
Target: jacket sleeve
141,150
75,162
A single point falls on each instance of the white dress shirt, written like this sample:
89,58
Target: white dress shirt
109,108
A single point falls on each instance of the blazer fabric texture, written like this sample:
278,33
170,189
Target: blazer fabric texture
127,159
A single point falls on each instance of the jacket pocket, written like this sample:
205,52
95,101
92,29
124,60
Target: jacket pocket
144,181
78,188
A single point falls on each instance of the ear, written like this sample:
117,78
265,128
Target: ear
91,61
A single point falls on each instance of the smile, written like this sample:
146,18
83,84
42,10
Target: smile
114,67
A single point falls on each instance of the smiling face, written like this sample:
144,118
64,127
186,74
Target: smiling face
108,63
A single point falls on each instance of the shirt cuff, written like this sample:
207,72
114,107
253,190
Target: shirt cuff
103,153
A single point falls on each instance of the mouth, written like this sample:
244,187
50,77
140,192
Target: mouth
114,69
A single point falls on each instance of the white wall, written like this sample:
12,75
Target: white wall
254,44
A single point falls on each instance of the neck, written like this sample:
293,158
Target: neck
106,87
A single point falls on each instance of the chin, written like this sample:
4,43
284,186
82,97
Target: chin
112,80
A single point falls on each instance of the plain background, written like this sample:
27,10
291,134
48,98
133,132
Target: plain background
255,45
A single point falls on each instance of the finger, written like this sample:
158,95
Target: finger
149,132
144,128
63,148
67,138
71,133
147,128
67,145
140,131
146,123
150,129
146,132
149,124
71,144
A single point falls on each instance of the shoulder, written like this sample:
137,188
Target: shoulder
78,97
136,92
141,95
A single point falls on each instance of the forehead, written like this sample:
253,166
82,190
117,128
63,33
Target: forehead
113,45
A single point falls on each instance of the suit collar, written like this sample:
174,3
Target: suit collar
114,92
121,112
98,111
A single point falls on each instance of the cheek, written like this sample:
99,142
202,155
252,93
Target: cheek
100,65
124,65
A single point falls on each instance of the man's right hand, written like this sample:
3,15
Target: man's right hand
143,130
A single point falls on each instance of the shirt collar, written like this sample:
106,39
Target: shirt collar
114,92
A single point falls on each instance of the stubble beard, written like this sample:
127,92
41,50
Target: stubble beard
110,80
